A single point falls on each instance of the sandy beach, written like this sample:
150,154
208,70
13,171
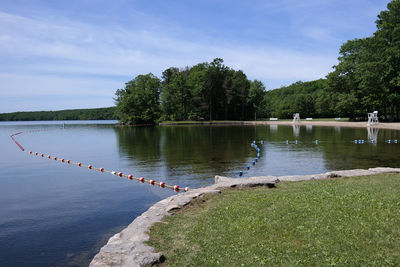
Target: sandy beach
386,125
362,124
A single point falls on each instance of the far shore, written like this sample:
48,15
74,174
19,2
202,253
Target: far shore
362,124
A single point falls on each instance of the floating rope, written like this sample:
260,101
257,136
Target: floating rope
176,188
296,142
253,145
356,141
15,141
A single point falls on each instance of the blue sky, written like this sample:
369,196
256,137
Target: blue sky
75,54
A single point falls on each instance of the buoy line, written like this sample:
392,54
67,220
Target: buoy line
316,142
356,141
176,188
162,184
253,145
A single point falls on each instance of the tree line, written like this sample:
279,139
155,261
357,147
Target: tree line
73,114
368,74
206,91
367,78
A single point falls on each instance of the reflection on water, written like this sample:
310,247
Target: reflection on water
373,133
54,214
195,154
273,127
187,154
296,130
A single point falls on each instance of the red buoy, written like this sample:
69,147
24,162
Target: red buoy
42,155
68,161
101,169
79,164
141,179
55,158
49,157
30,152
62,160
152,182
162,184
130,176
90,167
176,188
120,174
186,189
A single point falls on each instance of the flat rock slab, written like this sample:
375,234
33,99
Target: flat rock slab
128,247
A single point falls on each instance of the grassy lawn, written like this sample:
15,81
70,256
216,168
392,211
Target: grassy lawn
344,221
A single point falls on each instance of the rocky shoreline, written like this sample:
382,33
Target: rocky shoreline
128,247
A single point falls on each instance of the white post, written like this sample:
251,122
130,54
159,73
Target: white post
296,117
373,118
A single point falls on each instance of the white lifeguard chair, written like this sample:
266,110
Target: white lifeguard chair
373,118
296,117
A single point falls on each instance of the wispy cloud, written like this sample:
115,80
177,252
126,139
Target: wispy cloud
57,55
79,47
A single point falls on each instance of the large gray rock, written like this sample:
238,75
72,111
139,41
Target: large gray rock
128,247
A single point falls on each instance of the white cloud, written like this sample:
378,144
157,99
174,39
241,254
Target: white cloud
56,57
23,85
122,51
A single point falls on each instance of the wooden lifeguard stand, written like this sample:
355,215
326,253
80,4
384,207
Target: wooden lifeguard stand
296,117
373,118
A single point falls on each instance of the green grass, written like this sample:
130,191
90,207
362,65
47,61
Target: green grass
346,221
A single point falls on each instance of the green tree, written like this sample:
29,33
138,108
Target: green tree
241,86
388,34
213,91
345,79
368,74
168,99
256,98
138,102
196,82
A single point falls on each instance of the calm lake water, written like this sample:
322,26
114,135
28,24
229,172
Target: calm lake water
54,214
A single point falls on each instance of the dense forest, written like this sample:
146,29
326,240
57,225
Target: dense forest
73,114
206,91
311,99
368,74
367,78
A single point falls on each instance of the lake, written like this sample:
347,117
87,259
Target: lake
55,214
